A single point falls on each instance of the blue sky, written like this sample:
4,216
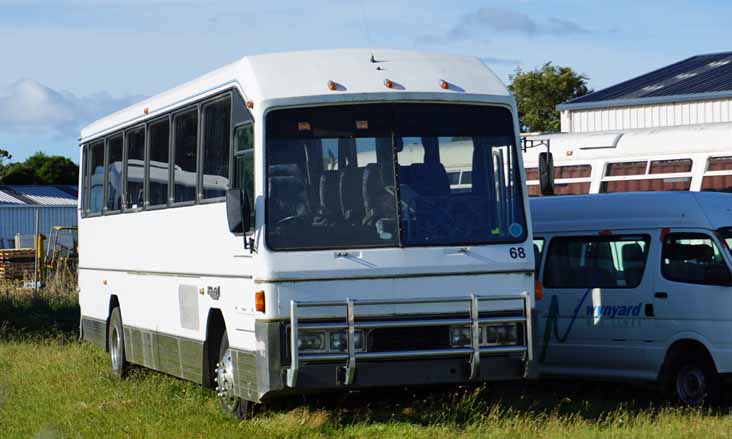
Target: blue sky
68,62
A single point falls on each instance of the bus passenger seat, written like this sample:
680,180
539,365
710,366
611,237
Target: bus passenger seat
376,200
351,195
429,179
633,263
287,193
329,195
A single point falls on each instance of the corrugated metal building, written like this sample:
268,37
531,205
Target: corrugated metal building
697,90
56,206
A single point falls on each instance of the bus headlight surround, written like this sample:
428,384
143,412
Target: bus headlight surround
311,341
339,340
460,336
490,335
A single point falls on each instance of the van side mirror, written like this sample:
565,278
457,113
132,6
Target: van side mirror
546,173
237,210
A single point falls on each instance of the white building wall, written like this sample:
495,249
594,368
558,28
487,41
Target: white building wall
646,116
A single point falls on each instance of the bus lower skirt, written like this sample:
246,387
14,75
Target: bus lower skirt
410,372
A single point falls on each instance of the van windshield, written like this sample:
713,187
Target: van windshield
377,175
727,237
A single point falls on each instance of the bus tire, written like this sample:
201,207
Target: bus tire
116,343
694,381
224,380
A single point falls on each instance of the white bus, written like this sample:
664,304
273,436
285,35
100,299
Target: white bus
335,255
686,158
636,287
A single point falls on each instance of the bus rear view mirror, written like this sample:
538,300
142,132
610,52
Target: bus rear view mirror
546,173
237,210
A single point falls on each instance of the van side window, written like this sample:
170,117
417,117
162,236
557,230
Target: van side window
692,258
596,261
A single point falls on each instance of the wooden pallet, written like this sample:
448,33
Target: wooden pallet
17,263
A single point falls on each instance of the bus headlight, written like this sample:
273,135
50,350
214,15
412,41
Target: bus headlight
339,340
460,336
311,341
500,335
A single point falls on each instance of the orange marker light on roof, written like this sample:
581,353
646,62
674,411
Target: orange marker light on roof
388,83
259,301
250,104
332,86
605,232
444,84
146,110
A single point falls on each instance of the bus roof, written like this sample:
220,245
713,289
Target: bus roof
306,74
646,142
636,210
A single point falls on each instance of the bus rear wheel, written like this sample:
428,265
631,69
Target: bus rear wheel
224,379
116,343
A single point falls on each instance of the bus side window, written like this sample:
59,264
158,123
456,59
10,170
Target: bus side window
158,162
96,178
216,131
135,175
185,148
114,174
244,163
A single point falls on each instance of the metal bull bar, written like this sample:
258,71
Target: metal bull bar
351,325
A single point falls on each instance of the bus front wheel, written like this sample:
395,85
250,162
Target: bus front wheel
224,378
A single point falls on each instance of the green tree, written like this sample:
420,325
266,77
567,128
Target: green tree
539,91
40,169
4,155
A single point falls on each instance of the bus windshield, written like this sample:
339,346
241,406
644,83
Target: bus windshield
377,175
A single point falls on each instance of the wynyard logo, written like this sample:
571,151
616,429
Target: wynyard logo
612,311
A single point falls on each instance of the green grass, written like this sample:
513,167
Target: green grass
52,386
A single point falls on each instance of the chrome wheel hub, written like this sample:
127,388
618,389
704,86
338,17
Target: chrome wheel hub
114,349
224,376
691,385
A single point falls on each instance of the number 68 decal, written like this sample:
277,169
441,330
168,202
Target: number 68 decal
517,253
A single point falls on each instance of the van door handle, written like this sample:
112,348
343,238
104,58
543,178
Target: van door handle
661,295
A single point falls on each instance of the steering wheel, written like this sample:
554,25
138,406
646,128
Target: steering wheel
288,220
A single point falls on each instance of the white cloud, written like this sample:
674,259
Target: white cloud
28,106
501,21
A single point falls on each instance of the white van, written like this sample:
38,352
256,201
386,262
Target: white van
636,286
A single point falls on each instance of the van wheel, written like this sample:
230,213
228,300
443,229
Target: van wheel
695,382
224,378
116,343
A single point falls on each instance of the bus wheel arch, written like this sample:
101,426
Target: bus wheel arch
689,374
215,328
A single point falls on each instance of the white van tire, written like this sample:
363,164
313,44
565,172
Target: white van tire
693,380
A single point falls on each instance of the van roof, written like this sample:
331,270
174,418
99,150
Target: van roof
306,73
637,210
